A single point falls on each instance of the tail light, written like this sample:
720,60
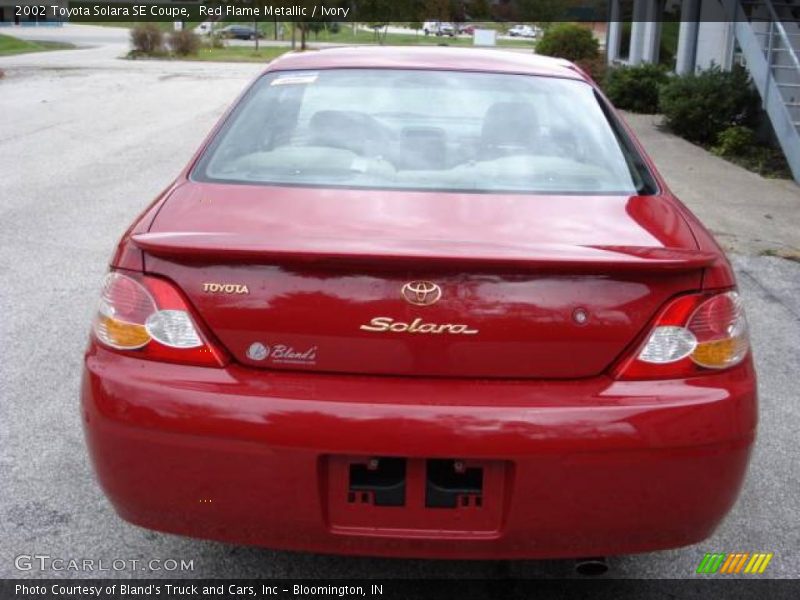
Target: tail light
149,318
694,334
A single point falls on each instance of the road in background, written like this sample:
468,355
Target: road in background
116,40
87,140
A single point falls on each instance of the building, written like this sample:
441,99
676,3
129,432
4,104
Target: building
763,35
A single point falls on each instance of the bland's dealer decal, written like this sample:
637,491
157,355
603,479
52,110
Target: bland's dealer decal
282,354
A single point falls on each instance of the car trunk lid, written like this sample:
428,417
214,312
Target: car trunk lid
413,283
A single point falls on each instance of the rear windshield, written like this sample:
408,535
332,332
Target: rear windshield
424,130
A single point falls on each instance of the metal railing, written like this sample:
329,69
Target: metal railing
771,55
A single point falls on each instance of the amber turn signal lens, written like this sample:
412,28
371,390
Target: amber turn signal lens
718,354
119,334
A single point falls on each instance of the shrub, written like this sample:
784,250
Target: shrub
734,141
147,39
596,67
700,106
635,88
569,41
214,40
184,42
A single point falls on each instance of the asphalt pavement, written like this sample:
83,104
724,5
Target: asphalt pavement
87,140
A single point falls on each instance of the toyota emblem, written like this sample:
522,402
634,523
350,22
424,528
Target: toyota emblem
421,293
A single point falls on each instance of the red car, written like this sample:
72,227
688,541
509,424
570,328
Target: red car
421,302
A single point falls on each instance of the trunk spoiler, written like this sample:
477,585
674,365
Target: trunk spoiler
221,247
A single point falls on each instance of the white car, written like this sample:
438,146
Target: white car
204,28
525,31
438,28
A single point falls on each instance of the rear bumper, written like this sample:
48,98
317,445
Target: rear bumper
591,467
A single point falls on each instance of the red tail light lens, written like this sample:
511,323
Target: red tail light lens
148,318
693,335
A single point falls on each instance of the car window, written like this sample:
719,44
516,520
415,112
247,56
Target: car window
415,129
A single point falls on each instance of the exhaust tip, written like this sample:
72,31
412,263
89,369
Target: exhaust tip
591,567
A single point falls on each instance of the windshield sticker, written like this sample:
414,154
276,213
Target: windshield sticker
303,79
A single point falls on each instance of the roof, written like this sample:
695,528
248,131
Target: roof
427,57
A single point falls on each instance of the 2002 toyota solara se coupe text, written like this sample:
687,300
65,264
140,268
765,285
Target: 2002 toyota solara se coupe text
421,302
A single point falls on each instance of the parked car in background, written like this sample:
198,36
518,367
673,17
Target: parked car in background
240,32
439,28
204,28
447,29
468,29
525,31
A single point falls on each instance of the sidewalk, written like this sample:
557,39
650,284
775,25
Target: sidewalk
747,213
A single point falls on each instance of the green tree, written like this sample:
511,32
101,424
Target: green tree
479,9
439,10
315,27
539,10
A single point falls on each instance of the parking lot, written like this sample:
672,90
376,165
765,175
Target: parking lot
87,140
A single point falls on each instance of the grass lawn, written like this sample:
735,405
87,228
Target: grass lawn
237,54
11,45
165,26
242,54
345,35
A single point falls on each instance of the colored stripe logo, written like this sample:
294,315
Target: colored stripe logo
735,562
